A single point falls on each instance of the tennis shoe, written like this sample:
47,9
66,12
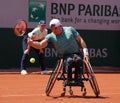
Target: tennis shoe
24,72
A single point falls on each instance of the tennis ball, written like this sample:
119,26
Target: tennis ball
32,60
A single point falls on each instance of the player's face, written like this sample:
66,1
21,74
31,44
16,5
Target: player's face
56,30
42,27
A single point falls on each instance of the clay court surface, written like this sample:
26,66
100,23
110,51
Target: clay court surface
16,88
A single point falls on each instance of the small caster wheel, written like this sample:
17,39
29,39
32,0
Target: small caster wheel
63,94
71,92
47,94
84,94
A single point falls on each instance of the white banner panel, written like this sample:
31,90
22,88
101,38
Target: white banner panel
86,14
82,14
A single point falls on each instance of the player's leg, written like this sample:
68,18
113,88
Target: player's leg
42,62
73,60
69,63
24,61
41,59
24,58
78,69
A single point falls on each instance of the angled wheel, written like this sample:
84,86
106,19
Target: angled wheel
53,76
91,77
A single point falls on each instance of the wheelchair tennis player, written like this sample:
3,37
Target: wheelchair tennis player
67,42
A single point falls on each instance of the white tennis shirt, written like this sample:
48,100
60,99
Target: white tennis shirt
37,33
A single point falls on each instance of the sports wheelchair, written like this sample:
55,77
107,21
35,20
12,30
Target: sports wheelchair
59,73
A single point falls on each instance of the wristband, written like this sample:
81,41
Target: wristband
85,51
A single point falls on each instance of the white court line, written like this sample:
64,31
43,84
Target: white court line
22,95
110,93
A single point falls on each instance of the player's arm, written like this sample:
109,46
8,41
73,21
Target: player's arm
44,34
27,50
37,45
81,41
31,34
84,46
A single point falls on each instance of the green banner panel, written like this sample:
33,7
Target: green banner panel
37,10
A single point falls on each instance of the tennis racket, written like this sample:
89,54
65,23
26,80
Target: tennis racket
20,28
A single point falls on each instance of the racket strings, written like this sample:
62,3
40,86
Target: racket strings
20,28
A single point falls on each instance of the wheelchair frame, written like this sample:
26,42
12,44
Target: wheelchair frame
58,73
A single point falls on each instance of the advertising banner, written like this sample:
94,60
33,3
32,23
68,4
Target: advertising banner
82,14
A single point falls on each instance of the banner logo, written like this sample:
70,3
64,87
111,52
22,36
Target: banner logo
37,10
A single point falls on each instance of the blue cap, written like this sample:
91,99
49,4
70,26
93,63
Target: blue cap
42,22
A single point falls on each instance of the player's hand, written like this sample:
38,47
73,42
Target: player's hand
26,51
41,51
33,37
29,41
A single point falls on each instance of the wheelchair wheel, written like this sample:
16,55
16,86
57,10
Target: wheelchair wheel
53,76
91,78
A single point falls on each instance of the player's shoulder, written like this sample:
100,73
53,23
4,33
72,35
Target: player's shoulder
49,37
67,27
51,34
36,29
